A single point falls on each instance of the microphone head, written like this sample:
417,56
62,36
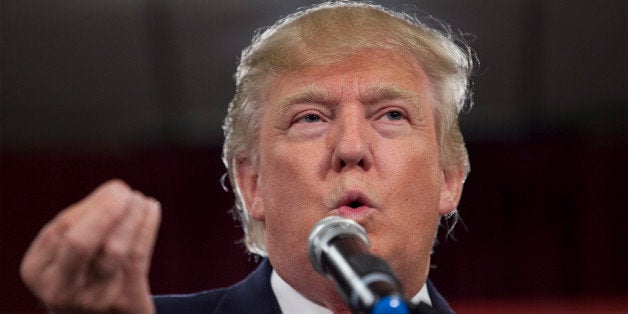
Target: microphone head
327,229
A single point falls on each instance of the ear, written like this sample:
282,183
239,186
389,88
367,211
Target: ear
451,190
247,177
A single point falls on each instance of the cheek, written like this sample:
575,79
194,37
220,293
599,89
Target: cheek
284,179
292,172
289,191
415,192
414,168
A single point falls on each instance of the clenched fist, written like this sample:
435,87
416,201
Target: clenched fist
94,256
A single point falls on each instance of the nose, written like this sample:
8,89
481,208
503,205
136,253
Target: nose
350,141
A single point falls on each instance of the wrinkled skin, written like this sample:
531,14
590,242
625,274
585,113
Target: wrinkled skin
357,139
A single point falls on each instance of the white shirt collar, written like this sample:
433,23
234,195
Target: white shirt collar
291,301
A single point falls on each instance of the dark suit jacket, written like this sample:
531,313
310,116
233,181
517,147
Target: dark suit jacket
251,295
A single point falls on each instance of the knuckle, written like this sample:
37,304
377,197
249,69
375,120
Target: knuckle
137,255
28,271
139,194
63,222
115,193
116,185
113,206
114,250
77,244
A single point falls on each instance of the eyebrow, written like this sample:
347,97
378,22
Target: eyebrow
309,94
372,95
376,93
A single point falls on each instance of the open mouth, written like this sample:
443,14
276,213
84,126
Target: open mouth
355,204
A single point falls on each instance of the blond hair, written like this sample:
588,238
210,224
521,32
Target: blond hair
327,33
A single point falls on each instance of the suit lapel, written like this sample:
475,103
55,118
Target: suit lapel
439,304
252,295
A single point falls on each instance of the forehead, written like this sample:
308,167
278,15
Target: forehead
368,72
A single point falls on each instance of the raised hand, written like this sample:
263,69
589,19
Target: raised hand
94,256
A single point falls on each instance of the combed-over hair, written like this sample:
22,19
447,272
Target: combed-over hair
325,34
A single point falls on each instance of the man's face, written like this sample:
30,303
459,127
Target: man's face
355,139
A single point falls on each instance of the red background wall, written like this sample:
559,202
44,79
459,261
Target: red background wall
543,221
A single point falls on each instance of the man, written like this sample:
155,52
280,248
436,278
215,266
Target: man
342,109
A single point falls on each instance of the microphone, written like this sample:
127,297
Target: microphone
338,249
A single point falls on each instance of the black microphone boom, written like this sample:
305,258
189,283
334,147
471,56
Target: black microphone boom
338,249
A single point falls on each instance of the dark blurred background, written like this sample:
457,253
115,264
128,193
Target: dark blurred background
137,89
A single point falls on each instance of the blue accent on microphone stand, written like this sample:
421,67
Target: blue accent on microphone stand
390,305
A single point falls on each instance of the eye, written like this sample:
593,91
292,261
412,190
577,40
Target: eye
308,125
394,115
311,118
